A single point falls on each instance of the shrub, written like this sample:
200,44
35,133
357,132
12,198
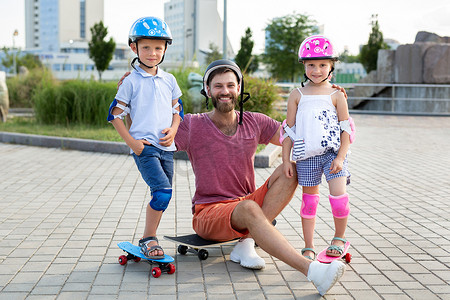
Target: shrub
74,102
182,80
263,93
87,102
21,88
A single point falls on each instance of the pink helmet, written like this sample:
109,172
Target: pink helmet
316,47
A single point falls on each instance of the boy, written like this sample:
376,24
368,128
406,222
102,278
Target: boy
150,96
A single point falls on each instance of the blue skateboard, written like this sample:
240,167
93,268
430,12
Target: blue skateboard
134,253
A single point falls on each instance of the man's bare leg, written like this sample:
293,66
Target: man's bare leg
280,193
281,189
248,215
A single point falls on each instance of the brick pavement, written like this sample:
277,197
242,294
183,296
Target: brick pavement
62,213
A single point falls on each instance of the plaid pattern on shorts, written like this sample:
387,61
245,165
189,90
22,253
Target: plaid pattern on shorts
311,169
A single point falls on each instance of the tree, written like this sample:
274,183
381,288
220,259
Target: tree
214,53
244,58
285,34
347,58
28,60
369,52
101,51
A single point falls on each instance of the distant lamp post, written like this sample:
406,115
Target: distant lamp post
16,33
224,41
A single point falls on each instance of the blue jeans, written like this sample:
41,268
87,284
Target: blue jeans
156,167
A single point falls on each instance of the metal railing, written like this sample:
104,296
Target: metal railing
389,93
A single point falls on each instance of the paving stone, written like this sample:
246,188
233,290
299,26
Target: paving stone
63,216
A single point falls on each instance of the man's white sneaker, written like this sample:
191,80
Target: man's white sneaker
244,253
324,276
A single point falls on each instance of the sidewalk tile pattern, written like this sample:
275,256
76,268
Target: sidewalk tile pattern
63,212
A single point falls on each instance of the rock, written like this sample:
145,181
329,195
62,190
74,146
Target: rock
424,37
436,64
409,63
385,66
4,98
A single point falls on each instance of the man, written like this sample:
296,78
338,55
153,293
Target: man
221,146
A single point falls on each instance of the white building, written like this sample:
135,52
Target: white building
58,32
49,23
195,24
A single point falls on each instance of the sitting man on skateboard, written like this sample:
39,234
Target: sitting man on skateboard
221,145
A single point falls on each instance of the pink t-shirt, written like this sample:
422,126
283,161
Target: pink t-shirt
223,165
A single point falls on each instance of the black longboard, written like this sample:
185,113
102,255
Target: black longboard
195,244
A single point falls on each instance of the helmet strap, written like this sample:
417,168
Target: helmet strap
306,77
244,98
139,60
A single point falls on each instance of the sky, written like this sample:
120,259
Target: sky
347,23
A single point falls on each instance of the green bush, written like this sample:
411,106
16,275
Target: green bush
74,102
87,102
263,93
182,80
21,88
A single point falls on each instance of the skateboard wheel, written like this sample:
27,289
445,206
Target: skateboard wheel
182,249
123,260
348,257
171,269
156,272
137,259
203,254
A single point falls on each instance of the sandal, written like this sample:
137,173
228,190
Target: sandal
307,256
339,249
143,244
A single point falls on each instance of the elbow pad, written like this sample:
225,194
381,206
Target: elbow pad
349,127
181,111
125,111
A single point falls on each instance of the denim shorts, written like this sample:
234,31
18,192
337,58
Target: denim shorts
156,167
310,170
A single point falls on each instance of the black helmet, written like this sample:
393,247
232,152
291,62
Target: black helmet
225,63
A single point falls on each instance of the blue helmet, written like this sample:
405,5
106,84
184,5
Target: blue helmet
149,28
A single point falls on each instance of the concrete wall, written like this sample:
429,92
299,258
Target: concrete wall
427,61
411,106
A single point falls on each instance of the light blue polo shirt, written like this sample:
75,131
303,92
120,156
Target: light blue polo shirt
150,100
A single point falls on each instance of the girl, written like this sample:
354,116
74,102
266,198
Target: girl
320,132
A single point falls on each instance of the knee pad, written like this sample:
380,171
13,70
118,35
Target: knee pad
340,206
161,199
309,205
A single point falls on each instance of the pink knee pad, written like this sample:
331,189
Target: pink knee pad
340,206
309,206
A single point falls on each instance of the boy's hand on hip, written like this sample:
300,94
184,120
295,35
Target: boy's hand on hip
167,140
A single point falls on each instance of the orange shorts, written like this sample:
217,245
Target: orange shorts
212,221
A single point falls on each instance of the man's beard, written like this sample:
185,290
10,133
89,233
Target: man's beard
224,107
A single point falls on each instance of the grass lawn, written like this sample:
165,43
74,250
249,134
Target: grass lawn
30,126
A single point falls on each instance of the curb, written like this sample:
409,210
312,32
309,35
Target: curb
263,159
